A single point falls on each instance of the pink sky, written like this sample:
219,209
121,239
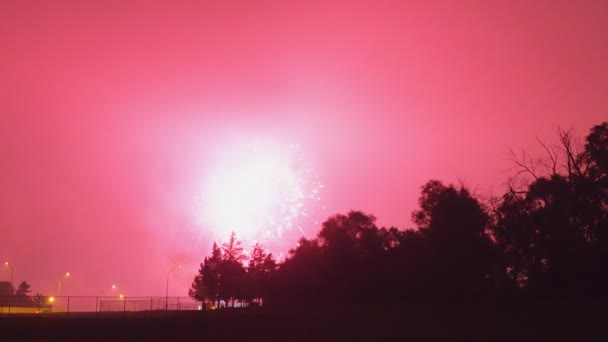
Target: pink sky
111,111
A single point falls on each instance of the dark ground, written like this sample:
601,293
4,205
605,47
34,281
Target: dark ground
539,322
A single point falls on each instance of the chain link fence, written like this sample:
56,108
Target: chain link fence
66,304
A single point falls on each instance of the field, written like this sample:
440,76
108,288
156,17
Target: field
355,323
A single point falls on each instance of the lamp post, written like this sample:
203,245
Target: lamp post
114,290
10,289
66,275
167,288
50,302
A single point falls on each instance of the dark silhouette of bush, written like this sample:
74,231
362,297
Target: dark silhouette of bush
547,236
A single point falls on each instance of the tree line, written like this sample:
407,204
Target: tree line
222,276
547,235
20,296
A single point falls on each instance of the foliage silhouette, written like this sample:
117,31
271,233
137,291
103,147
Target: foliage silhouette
221,276
546,236
21,296
205,287
261,266
552,232
23,290
6,289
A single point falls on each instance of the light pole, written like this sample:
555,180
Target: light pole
121,294
10,289
167,288
66,275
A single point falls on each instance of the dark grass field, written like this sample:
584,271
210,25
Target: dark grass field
541,322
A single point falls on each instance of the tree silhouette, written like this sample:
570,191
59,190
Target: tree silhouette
23,290
40,300
22,294
547,235
596,150
347,262
6,289
232,272
260,267
460,253
299,278
233,250
206,284
198,291
552,231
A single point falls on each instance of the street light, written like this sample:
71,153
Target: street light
66,275
114,290
167,288
10,289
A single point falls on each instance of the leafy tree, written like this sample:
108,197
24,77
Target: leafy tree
345,263
596,189
460,253
352,251
299,278
548,233
552,231
596,150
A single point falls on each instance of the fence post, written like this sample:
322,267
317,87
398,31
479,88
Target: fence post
151,303
124,306
97,304
68,309
178,307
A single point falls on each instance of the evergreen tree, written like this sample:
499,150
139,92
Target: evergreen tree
232,272
233,250
260,267
23,290
206,284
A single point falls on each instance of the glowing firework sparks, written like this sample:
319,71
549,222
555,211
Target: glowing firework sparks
259,192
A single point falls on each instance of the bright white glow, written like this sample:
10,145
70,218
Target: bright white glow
257,192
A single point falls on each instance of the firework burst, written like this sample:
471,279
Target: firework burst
260,192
